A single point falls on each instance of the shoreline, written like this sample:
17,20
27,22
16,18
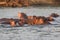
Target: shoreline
35,5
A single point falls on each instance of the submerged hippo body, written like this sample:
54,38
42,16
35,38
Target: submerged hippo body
30,20
34,20
4,21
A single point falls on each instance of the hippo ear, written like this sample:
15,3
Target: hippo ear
19,14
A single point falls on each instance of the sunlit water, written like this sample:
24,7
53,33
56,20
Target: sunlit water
39,32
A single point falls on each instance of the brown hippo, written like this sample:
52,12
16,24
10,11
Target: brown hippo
37,20
31,20
22,15
30,17
50,19
21,23
42,20
54,15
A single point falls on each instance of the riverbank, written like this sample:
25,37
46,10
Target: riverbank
26,3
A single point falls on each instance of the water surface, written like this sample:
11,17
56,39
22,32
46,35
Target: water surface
42,32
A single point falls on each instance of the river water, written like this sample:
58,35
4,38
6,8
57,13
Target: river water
39,32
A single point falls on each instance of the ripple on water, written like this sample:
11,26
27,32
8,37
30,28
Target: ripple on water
43,32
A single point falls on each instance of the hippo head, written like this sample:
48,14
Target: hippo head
22,15
54,15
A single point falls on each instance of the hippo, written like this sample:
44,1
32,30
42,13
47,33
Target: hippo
43,20
50,19
34,20
54,15
22,15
